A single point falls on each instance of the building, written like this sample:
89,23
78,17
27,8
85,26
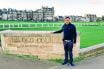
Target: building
43,14
92,17
82,19
73,18
48,13
79,18
0,14
4,14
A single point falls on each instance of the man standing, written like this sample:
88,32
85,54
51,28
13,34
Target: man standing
69,38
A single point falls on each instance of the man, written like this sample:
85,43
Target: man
69,38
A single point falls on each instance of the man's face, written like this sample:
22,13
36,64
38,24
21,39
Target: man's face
67,21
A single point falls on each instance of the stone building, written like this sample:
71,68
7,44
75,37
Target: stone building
0,14
43,14
92,17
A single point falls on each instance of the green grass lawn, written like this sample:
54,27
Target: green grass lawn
90,35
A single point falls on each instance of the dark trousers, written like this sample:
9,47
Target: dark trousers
68,48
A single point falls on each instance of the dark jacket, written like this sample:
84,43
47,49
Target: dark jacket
69,32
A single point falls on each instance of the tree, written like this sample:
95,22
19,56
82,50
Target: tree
103,18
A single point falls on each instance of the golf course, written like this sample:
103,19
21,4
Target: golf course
91,33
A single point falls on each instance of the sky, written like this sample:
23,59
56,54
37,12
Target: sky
62,7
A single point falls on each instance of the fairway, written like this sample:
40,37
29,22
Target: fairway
91,33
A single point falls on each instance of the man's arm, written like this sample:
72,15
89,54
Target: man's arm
59,31
75,34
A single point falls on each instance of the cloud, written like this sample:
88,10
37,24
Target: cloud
96,1
62,7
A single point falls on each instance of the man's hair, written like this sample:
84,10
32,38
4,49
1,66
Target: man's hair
67,17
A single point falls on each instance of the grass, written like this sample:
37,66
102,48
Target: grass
28,57
35,58
90,35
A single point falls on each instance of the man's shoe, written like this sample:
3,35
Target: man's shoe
72,64
64,63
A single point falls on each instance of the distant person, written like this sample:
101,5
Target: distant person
69,39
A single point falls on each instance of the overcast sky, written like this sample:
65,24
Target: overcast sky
62,7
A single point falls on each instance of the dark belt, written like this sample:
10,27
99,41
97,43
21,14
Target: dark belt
67,40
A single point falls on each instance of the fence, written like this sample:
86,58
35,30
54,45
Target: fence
40,25
7,26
